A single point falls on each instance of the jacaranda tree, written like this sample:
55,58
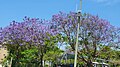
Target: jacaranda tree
22,36
94,33
38,36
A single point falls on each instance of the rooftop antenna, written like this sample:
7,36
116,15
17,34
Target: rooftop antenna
79,22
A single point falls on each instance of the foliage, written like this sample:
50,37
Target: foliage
35,39
21,37
94,31
30,55
53,55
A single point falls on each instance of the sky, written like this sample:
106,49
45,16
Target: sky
44,9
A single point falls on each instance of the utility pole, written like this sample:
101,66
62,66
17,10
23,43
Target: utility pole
79,22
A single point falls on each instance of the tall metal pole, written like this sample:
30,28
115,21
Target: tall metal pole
79,22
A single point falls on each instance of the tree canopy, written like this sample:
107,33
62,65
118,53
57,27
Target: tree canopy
94,32
39,38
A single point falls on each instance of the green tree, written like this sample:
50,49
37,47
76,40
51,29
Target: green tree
53,55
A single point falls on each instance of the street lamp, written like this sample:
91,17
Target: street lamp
79,22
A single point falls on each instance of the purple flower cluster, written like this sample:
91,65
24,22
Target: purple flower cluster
35,31
31,30
91,27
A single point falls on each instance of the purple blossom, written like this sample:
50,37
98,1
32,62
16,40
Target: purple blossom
30,30
101,30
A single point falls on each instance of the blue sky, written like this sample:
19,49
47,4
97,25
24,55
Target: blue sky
16,9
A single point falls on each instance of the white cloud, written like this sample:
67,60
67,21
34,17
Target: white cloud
107,2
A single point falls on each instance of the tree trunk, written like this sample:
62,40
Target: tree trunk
89,64
41,61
